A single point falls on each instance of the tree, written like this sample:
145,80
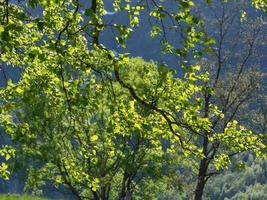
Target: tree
94,121
234,77
98,133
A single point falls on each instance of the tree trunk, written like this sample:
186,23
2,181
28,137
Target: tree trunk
104,193
126,193
201,180
204,163
127,196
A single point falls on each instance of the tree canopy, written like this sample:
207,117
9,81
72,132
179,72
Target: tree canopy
101,123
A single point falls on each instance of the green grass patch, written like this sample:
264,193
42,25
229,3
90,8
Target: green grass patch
19,197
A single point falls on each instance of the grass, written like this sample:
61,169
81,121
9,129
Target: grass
19,197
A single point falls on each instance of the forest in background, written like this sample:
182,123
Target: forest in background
134,99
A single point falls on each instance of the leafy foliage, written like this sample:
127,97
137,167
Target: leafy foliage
245,183
100,124
20,197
